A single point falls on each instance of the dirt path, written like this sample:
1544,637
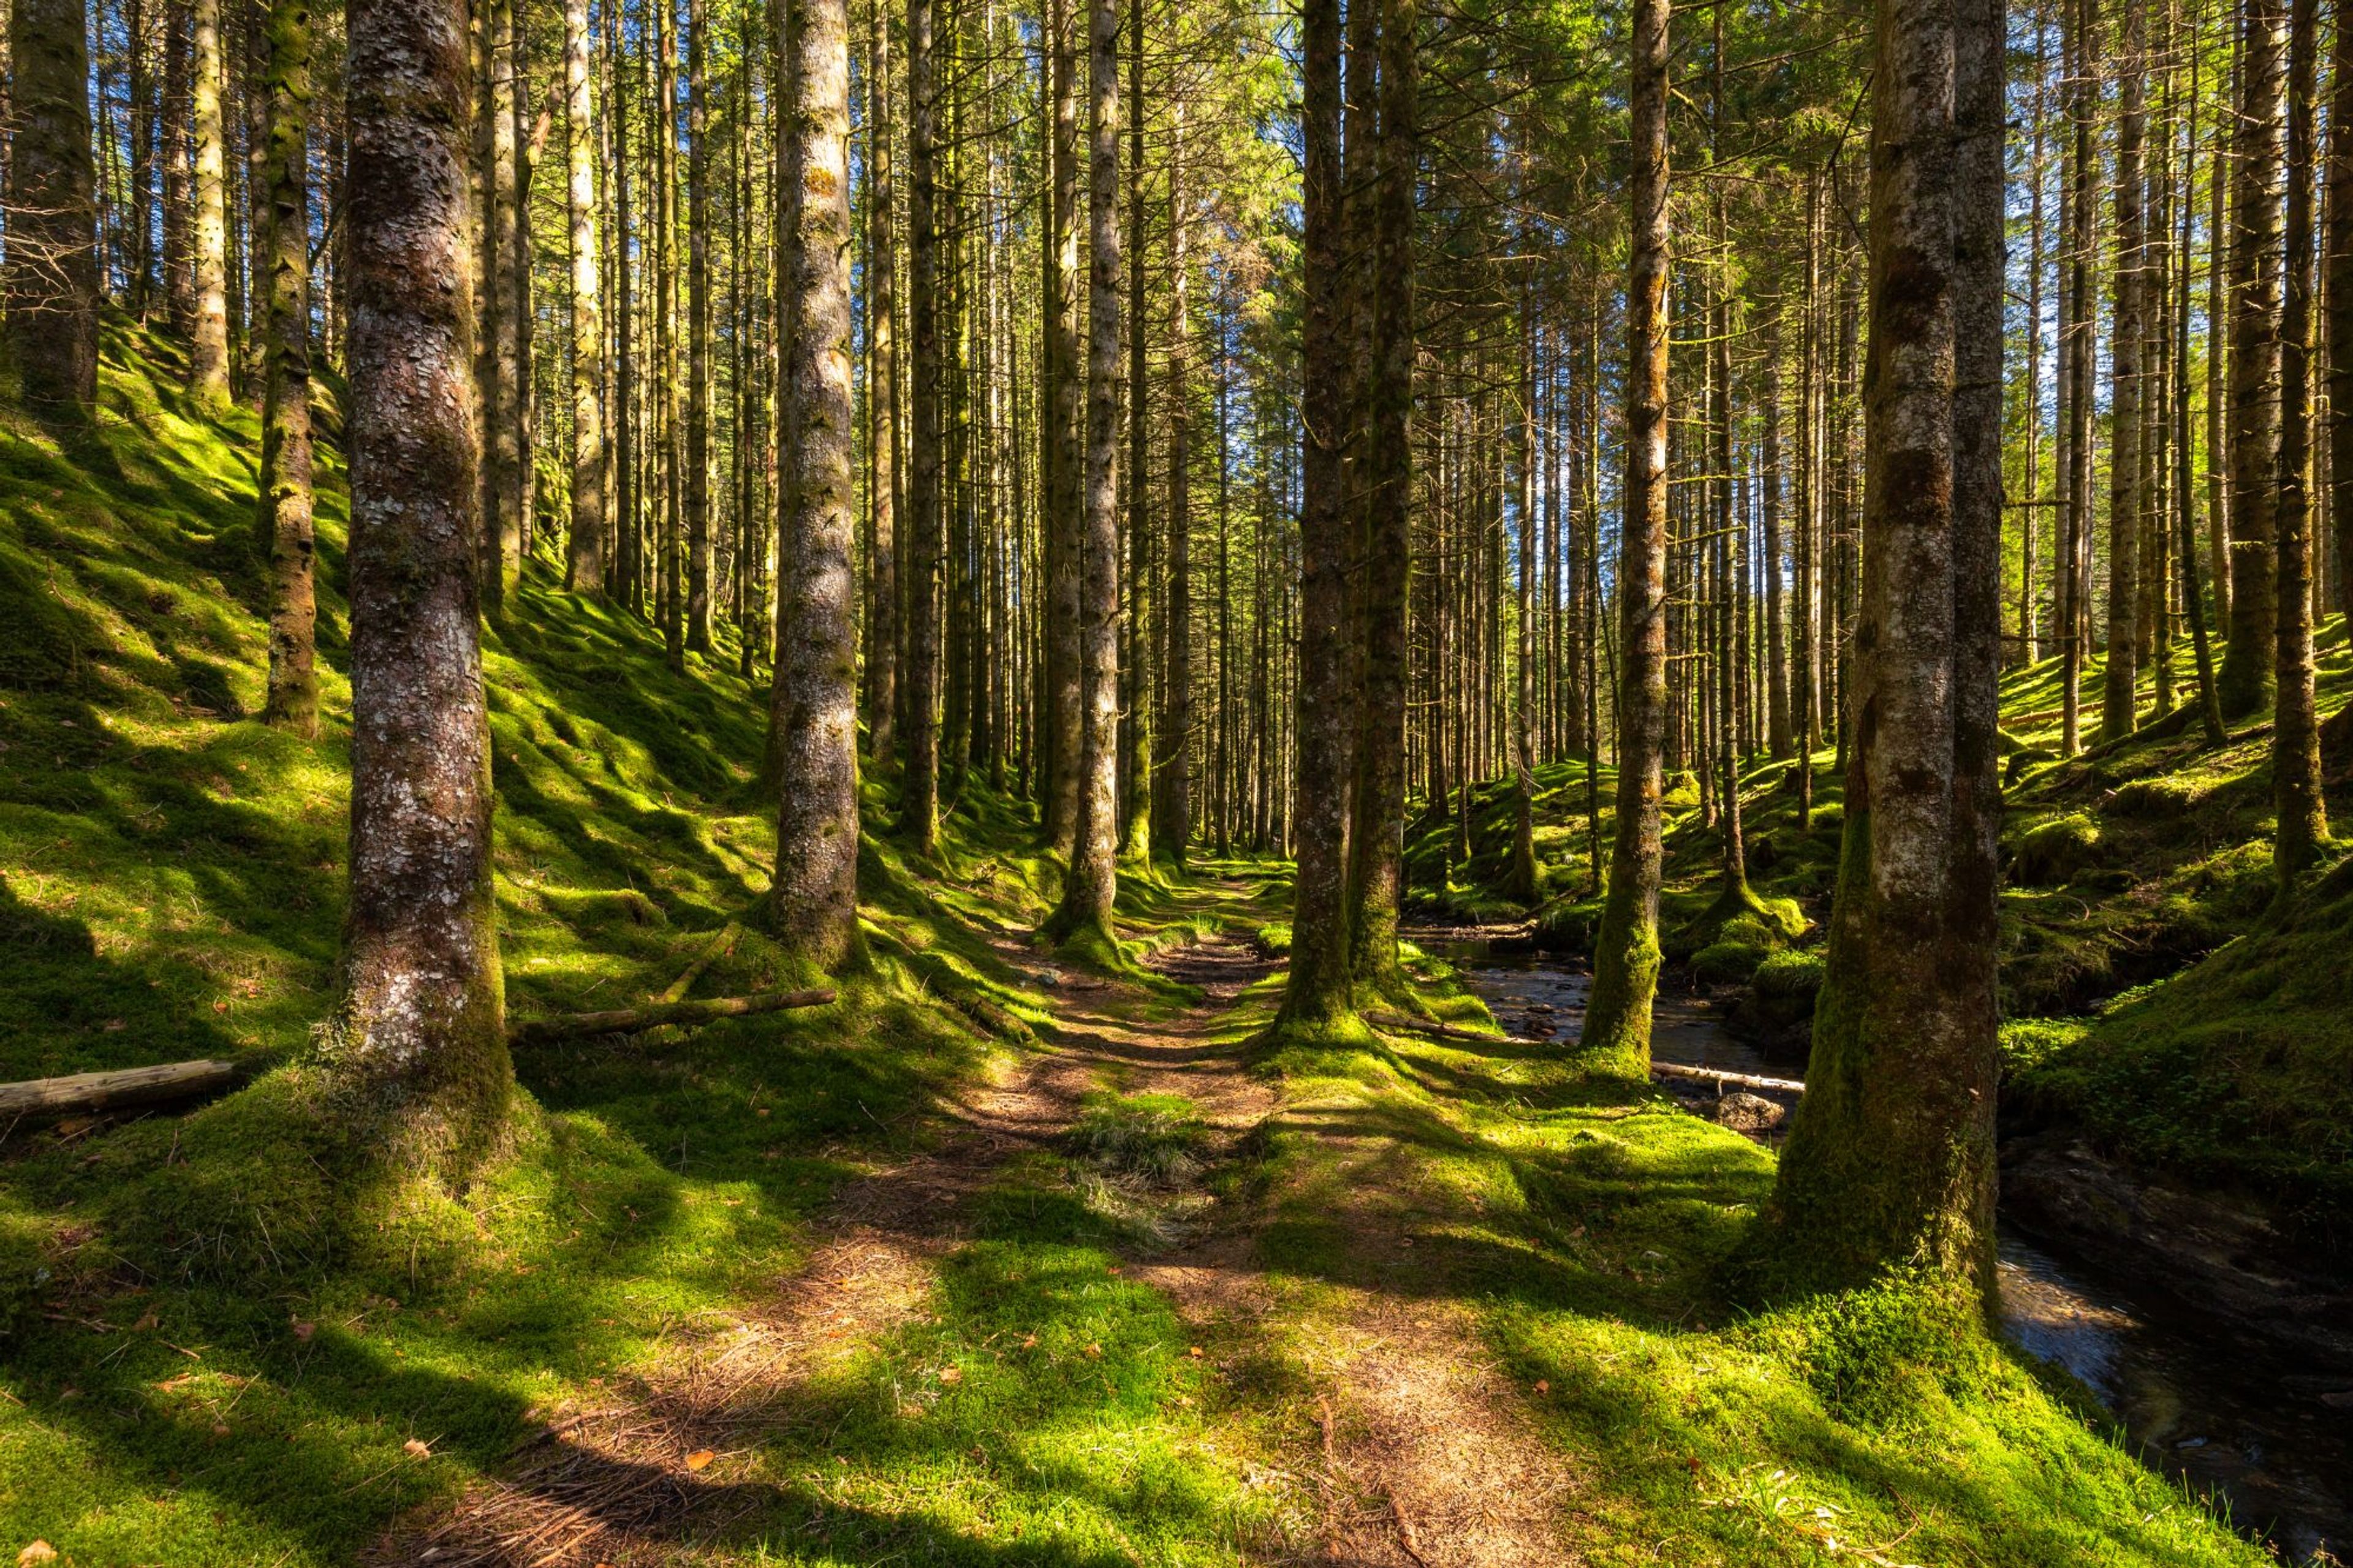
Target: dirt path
1418,1454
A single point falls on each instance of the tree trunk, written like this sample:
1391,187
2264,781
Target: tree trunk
882,565
1616,1034
285,475
179,284
1890,1157
51,277
584,558
696,490
2252,644
2339,290
422,1034
2295,733
1061,522
813,904
1087,891
208,238
1317,995
1172,794
918,794
2127,500
1376,846
1135,703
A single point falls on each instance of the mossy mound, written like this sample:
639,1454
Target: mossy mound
2239,1070
2054,853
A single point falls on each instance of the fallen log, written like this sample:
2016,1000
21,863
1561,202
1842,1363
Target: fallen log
1740,1079
84,1093
635,1020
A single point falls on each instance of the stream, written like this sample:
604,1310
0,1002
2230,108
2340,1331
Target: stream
2198,1397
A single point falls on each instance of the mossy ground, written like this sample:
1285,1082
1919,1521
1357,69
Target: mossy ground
207,1361
2125,868
1586,1224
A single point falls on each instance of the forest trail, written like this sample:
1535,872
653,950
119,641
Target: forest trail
1410,1451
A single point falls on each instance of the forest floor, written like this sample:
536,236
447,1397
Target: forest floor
919,1277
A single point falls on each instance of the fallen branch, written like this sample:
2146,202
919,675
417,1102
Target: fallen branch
1428,1027
717,948
81,1093
634,1020
1742,1080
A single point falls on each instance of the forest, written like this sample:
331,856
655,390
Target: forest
1416,784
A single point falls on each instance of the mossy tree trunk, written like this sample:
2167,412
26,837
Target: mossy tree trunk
919,782
1890,1162
1317,994
1087,889
285,476
2250,646
2295,731
423,1035
814,903
584,555
1376,847
51,281
1617,1034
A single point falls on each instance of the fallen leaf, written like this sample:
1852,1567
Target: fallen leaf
699,1460
418,1447
952,1374
220,1006
304,1331
1113,1269
1195,1352
1028,1341
1543,1386
146,1321
1095,1353
38,1551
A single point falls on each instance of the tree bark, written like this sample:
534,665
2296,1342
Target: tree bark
285,474
208,237
697,486
2127,500
2295,731
1061,522
883,569
813,905
1087,889
918,794
1616,1034
1318,994
585,554
51,277
1890,1162
2340,310
422,1034
2250,648
1172,777
1377,845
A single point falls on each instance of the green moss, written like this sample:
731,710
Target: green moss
2053,852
